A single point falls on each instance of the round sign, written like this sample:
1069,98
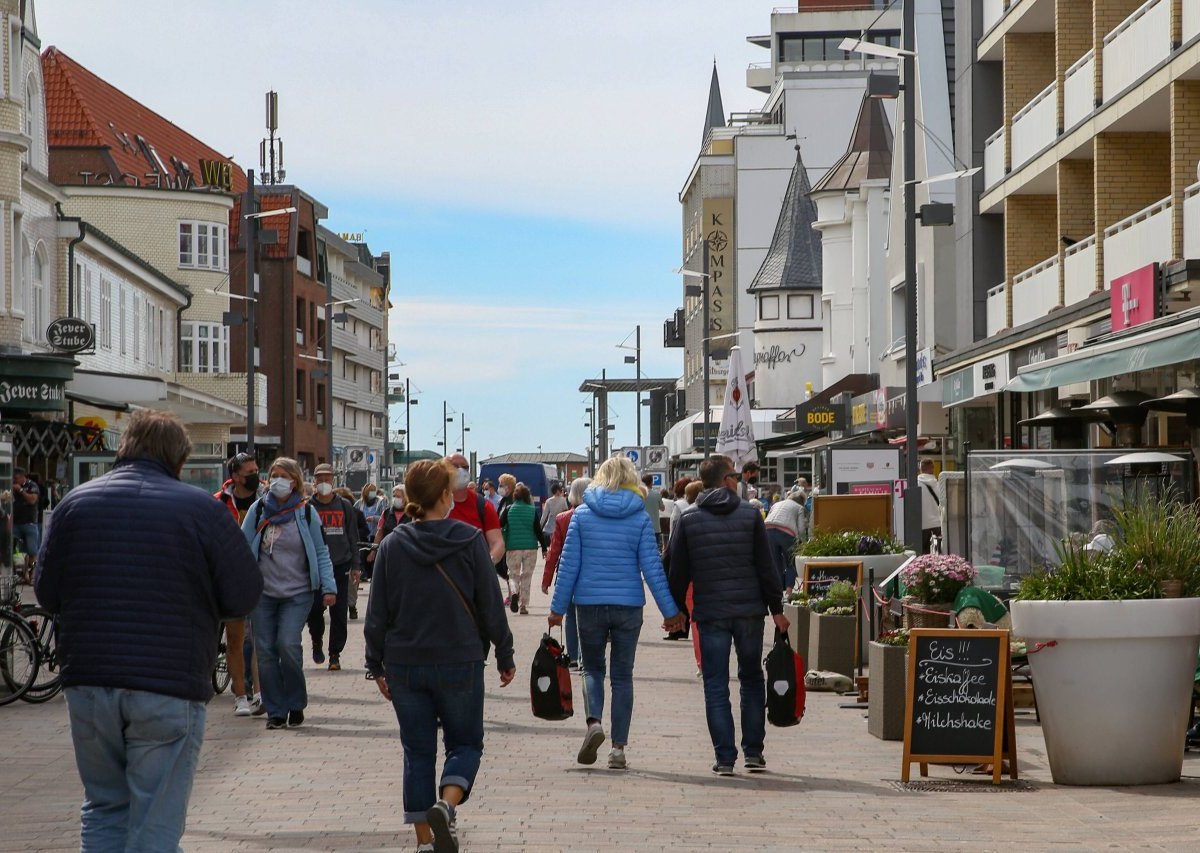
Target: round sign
93,421
70,334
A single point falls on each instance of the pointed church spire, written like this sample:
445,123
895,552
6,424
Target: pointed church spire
794,260
716,110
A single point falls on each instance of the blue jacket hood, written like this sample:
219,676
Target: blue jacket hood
620,503
719,500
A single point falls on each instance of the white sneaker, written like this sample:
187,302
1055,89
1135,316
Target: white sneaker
616,759
257,708
242,707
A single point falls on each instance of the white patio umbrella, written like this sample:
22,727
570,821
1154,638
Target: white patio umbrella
736,438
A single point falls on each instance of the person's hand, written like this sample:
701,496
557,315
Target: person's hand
382,684
674,624
781,622
545,589
356,575
506,676
370,556
555,620
329,599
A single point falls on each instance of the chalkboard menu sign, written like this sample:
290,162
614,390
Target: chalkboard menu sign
819,576
959,704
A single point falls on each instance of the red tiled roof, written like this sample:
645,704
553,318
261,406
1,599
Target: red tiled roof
84,111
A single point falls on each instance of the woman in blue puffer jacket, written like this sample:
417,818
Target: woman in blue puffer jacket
610,547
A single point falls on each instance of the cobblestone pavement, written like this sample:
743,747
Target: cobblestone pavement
335,783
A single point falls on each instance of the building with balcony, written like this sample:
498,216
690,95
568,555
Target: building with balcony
1085,118
358,335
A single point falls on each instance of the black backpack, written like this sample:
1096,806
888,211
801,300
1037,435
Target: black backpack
786,695
550,682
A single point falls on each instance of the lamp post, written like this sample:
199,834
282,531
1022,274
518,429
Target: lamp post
446,419
464,430
249,207
636,360
590,424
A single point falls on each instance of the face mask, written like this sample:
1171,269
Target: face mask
370,495
398,503
252,482
464,477
324,489
504,491
281,487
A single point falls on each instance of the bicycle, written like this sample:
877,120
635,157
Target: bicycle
20,655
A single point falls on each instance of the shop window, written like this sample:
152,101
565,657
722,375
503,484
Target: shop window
800,306
768,308
204,245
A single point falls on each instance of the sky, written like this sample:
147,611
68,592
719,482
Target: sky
520,161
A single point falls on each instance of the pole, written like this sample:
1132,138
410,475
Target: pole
603,436
705,348
251,226
912,497
445,420
407,419
462,418
637,384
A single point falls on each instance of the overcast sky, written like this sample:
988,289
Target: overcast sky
521,161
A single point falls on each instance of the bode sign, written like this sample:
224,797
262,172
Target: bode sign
70,334
820,417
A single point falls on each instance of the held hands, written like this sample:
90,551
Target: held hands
781,622
329,599
356,575
506,676
555,620
674,624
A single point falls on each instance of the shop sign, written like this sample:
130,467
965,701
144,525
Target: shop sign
868,412
718,231
1133,298
71,334
217,174
1034,353
992,375
714,427
31,393
958,387
820,417
924,367
895,409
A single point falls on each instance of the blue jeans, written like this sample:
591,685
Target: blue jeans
277,626
599,625
137,754
781,543
28,536
422,695
745,635
571,628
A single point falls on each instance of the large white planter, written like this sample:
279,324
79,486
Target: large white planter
1114,692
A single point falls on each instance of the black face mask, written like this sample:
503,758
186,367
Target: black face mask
252,483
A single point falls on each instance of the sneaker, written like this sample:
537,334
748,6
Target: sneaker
591,743
335,663
616,759
514,603
440,818
318,655
242,707
755,763
353,612
295,718
524,611
722,769
257,708
277,723
425,848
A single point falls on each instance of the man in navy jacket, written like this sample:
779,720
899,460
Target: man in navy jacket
720,547
141,569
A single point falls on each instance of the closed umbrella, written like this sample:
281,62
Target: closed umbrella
736,438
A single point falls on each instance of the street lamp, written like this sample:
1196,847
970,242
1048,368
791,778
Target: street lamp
445,442
637,377
462,418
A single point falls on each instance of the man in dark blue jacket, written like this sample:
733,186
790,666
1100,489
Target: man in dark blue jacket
720,547
141,569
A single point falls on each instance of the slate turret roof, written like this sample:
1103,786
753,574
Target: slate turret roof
794,260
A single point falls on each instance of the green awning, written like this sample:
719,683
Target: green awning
1157,348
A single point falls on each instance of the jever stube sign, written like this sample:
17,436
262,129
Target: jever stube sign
70,334
960,708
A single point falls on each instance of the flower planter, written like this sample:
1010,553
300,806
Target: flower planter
883,564
918,615
799,619
1114,691
885,704
831,643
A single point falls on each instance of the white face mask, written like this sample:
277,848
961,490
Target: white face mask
504,491
370,495
398,503
281,487
324,489
464,477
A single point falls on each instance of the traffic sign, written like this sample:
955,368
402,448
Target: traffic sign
634,455
659,479
657,457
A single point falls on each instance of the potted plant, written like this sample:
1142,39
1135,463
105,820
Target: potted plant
887,659
831,639
931,583
795,608
1113,661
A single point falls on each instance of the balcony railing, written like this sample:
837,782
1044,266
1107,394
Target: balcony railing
1138,240
1079,90
1079,271
1191,21
996,310
1035,126
993,159
304,266
1191,222
993,11
1035,291
1141,42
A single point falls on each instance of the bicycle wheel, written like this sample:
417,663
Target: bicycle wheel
220,673
48,683
18,657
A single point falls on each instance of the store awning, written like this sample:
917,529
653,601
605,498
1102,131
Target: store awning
1157,348
97,402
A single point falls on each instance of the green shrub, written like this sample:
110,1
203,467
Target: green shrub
848,543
